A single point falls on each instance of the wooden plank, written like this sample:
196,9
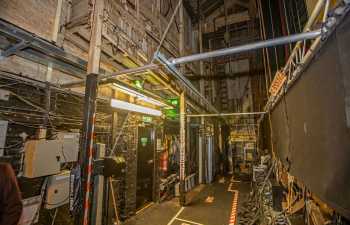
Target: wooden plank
231,19
31,15
96,38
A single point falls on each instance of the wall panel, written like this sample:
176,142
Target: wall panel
316,141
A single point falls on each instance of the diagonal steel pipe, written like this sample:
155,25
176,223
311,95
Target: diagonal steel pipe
248,47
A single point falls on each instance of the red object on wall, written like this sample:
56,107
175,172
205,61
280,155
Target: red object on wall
164,161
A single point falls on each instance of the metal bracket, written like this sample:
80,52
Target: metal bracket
14,49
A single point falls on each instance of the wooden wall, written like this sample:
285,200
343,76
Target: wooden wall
36,16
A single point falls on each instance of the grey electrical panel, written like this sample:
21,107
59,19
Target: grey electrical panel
69,146
42,158
57,191
3,132
31,209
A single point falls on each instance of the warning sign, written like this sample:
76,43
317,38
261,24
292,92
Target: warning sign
277,83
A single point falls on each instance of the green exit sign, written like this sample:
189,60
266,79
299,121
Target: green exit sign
147,119
174,101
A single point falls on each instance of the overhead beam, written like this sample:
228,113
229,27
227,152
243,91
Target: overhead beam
226,114
222,21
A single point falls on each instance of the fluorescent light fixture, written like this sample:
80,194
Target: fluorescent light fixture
134,108
126,90
139,95
151,101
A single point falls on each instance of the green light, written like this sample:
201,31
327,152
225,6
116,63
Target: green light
147,119
144,141
171,113
138,84
174,101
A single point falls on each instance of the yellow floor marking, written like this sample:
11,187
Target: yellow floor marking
189,221
176,215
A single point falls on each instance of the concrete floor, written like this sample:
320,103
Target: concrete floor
199,212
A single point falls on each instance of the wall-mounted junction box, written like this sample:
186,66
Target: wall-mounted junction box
44,157
57,191
69,146
41,158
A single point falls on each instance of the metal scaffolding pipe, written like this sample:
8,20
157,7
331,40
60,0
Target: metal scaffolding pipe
248,47
113,75
226,114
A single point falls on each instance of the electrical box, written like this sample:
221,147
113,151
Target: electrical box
31,209
3,132
42,158
69,146
57,191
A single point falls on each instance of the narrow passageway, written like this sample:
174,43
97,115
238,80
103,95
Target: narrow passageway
214,205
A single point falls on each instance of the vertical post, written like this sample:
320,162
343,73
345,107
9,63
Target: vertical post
96,38
182,34
137,9
221,150
86,154
49,67
182,110
114,120
200,154
96,218
201,89
212,83
182,147
201,63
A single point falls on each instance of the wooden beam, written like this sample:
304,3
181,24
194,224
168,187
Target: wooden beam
231,19
96,38
182,147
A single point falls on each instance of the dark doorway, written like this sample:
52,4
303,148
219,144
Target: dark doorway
145,166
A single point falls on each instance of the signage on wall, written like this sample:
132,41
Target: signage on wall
147,119
144,141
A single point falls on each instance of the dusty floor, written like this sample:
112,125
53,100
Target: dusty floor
215,210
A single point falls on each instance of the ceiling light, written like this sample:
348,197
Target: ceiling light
139,95
134,108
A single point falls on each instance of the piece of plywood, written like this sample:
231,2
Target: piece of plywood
32,15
